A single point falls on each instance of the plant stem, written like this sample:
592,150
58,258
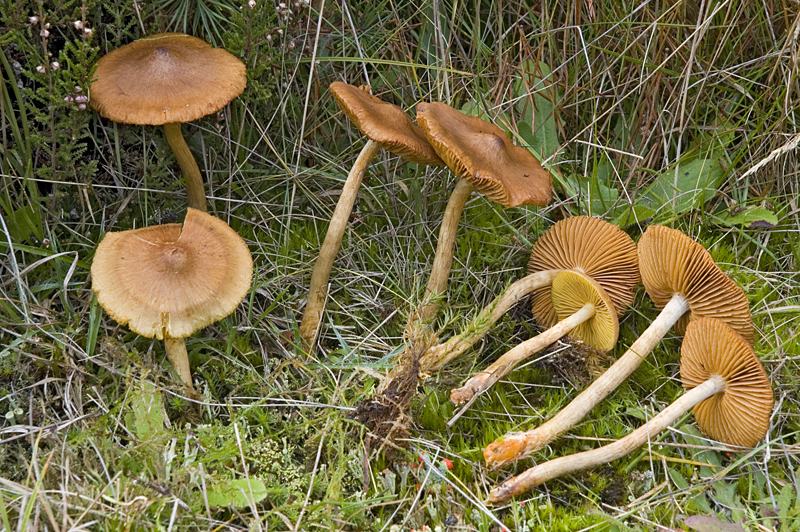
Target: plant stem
602,455
503,365
318,291
194,180
519,445
443,260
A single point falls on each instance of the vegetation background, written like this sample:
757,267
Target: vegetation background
681,113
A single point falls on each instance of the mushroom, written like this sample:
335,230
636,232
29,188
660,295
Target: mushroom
590,246
483,156
727,389
168,281
386,126
167,79
584,311
680,276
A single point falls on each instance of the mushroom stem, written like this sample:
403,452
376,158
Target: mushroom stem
443,260
194,180
519,445
439,355
481,382
309,326
589,459
178,356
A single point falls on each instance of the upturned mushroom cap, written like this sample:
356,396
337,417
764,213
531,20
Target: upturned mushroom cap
570,291
483,154
384,123
739,415
670,262
165,78
591,246
167,281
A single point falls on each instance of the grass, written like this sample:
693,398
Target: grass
616,97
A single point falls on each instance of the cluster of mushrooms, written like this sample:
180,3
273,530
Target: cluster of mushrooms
581,278
168,281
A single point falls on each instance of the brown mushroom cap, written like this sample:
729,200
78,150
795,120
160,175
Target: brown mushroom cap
739,415
570,291
384,123
670,262
591,246
483,154
170,280
165,78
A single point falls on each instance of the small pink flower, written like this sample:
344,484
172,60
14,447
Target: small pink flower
82,106
78,24
33,20
40,69
56,65
88,32
44,33
252,4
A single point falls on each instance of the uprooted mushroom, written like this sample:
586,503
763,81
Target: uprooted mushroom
581,244
726,388
680,276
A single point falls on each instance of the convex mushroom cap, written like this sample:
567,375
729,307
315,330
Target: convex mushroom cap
591,246
167,281
670,262
165,78
384,123
483,154
739,415
570,291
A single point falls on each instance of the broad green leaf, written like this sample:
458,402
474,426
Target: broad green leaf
238,493
711,523
751,217
535,93
146,419
25,225
684,187
633,215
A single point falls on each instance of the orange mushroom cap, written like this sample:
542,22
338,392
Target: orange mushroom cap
670,262
384,123
591,246
167,281
165,78
739,415
483,154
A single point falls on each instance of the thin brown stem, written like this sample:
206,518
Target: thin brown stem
503,365
194,180
608,453
515,446
443,260
318,291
